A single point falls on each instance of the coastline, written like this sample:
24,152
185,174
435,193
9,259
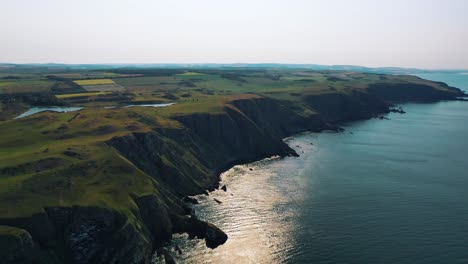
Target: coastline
247,130
239,190
280,148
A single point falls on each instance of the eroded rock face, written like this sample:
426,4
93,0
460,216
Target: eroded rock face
408,92
94,235
156,218
97,235
210,143
38,226
16,246
337,107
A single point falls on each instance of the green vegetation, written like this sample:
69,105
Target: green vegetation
24,86
67,151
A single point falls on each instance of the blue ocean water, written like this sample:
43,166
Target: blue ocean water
384,191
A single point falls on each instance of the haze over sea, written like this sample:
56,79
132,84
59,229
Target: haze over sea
384,191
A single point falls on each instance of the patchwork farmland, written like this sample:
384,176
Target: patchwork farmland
100,85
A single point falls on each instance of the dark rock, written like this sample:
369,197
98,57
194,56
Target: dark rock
218,201
338,107
98,235
410,92
195,228
191,200
168,258
177,248
16,246
156,218
224,188
39,226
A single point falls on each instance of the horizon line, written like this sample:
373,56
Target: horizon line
237,63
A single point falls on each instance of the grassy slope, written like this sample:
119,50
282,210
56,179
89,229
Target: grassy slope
36,173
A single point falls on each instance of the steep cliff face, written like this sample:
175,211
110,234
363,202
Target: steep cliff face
338,107
277,119
95,235
235,137
409,92
16,245
188,160
173,157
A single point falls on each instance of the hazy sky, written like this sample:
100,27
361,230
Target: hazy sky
407,33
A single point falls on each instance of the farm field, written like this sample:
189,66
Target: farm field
94,81
66,96
192,90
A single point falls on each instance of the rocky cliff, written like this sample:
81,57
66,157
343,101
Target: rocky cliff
187,160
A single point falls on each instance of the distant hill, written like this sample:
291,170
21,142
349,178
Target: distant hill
382,70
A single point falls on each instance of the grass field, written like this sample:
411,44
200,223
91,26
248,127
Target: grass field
25,86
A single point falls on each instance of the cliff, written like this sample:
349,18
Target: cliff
181,160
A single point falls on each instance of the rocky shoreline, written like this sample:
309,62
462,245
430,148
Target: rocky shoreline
187,161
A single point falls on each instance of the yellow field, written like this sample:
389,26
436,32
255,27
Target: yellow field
190,74
65,96
94,82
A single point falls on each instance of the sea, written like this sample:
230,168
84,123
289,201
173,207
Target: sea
383,191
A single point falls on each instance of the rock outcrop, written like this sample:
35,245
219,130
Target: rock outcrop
16,246
199,229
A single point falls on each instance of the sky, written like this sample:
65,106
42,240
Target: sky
430,34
